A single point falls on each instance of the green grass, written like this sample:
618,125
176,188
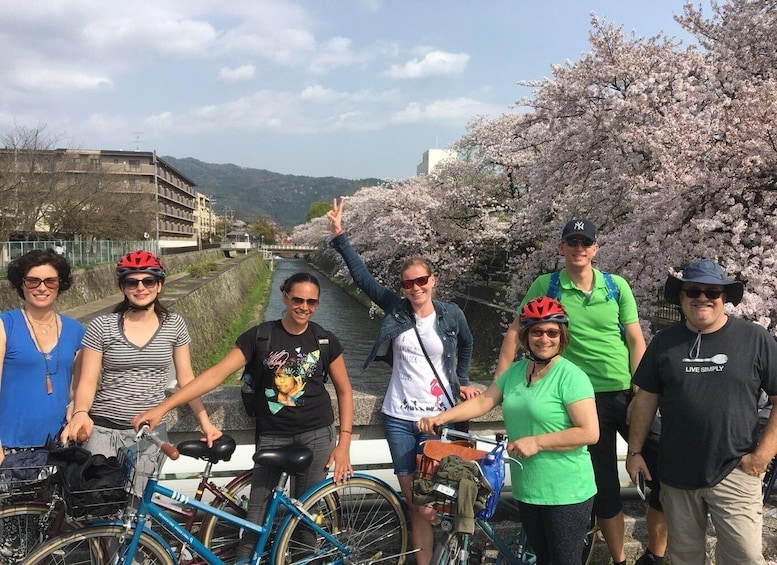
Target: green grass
252,314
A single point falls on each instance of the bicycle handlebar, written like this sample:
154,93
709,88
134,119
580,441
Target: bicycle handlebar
447,433
168,448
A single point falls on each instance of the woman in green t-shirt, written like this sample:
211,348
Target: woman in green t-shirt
550,417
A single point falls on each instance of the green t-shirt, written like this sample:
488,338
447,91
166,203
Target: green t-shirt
548,477
595,341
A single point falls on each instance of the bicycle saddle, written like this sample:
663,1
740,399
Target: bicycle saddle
222,449
292,459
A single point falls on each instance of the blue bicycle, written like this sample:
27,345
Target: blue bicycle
362,521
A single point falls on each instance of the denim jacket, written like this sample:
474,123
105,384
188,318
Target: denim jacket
451,324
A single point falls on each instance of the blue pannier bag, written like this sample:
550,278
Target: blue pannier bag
493,468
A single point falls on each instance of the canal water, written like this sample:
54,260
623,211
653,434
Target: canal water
339,313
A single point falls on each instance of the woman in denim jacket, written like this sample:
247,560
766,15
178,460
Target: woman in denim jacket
414,390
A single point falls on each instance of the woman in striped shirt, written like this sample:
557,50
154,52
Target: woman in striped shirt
127,356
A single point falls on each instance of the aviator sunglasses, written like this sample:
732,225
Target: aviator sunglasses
131,284
711,293
537,332
420,281
299,301
52,283
575,242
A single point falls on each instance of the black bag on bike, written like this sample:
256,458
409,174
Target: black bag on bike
91,484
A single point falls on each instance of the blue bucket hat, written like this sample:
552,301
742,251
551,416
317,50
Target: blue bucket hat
703,272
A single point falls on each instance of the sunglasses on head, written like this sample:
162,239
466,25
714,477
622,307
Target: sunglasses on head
711,293
575,242
131,284
537,332
420,281
299,301
52,283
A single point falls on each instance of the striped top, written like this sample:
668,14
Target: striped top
133,378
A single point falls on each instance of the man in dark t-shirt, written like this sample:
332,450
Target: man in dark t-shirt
705,374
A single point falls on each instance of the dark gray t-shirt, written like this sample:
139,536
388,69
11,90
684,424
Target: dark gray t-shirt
708,399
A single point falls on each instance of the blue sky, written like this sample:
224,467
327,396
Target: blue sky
346,88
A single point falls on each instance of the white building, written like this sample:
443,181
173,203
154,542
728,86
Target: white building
432,158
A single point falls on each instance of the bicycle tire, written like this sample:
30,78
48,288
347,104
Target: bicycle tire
364,514
23,526
98,544
221,536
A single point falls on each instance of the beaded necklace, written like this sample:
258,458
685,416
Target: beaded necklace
46,356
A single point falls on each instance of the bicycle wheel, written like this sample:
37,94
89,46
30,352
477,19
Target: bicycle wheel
221,536
447,551
24,526
99,545
365,515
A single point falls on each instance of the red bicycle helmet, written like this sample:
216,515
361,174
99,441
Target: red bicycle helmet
140,262
542,309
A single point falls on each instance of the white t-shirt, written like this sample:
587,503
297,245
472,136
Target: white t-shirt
413,390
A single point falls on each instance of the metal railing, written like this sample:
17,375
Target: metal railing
78,253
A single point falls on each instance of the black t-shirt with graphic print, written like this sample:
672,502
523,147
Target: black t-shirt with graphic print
290,387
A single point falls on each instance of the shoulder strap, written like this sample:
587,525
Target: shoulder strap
322,336
612,290
614,294
436,376
553,287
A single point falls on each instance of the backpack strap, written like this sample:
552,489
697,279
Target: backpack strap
554,291
614,294
322,337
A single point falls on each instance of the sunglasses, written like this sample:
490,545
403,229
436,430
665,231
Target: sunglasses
576,242
537,332
711,293
299,301
420,281
131,284
52,283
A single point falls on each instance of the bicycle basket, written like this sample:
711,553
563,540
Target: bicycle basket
25,473
95,485
425,484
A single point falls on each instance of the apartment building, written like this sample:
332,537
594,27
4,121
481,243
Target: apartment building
182,216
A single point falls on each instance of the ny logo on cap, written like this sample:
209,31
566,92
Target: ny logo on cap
579,225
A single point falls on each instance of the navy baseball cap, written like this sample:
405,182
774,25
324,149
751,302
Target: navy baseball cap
579,227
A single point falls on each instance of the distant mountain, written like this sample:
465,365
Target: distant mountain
253,193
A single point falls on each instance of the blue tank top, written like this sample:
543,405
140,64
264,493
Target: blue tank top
28,414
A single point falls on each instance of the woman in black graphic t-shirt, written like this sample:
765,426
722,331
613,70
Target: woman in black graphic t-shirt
301,414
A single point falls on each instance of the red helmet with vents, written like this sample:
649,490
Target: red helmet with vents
542,309
140,262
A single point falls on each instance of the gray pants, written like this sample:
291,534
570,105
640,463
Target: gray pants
320,441
108,442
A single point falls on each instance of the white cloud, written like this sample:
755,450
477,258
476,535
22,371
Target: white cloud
239,74
434,63
318,93
340,52
57,78
458,110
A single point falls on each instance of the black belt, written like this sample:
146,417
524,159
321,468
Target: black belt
110,424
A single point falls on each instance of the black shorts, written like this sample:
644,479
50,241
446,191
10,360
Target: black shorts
611,409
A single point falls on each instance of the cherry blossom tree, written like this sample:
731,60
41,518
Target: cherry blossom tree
671,150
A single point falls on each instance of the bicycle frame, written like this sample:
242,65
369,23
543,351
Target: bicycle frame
149,508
